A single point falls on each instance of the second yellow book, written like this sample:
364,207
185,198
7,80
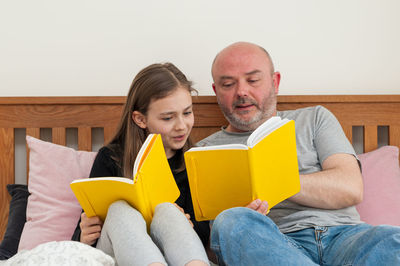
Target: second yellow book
233,175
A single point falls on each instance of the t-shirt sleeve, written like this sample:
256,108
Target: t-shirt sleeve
329,137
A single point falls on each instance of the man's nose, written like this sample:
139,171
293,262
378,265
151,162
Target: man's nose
243,89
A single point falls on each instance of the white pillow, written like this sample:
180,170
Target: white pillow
68,253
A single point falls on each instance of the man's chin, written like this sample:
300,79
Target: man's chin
246,116
245,124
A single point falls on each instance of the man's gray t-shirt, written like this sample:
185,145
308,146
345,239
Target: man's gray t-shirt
318,135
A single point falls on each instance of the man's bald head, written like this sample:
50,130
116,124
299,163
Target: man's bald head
240,47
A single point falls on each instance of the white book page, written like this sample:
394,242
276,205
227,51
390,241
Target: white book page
140,154
265,129
120,179
220,147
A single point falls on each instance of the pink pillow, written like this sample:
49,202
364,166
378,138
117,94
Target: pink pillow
52,211
381,175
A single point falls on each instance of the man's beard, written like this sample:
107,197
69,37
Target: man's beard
265,110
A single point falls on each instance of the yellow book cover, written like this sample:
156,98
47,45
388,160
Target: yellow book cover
233,175
153,184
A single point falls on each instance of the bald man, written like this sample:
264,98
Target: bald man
320,224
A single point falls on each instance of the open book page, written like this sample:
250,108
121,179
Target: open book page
221,147
265,129
218,180
274,165
119,179
96,194
156,178
142,154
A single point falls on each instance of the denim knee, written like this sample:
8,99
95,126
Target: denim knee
364,244
232,221
239,230
388,234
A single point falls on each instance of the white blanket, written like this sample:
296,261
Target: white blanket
60,253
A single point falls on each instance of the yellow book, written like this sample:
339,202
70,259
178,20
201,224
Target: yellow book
233,175
153,183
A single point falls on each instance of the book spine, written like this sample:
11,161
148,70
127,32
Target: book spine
146,209
83,200
193,182
252,166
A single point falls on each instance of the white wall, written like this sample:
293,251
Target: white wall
95,47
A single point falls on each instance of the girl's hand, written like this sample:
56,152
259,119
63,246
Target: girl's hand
90,229
187,215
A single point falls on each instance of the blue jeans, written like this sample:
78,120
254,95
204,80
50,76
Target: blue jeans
241,236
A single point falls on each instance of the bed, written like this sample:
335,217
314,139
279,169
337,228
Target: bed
369,121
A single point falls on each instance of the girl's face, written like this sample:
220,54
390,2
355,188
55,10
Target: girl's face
171,116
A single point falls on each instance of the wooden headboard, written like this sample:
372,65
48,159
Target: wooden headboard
87,113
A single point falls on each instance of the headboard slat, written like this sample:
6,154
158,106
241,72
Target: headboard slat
7,170
394,135
85,138
348,131
108,133
34,132
59,135
370,137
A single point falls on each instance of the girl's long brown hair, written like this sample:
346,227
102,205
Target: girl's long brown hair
151,83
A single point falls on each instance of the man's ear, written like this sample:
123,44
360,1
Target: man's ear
139,119
213,86
276,79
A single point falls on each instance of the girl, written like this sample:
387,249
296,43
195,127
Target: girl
159,101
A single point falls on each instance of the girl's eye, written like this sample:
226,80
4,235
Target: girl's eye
166,118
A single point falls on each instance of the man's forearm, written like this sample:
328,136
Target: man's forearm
338,186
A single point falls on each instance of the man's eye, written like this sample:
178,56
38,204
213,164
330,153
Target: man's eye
187,113
227,85
253,80
166,118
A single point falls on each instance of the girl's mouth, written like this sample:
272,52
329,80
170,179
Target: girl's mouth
179,138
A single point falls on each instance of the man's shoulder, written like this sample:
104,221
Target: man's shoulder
211,140
306,112
224,137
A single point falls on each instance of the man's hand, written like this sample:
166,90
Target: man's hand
259,206
90,229
187,215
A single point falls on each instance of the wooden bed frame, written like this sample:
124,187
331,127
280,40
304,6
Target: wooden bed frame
86,113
